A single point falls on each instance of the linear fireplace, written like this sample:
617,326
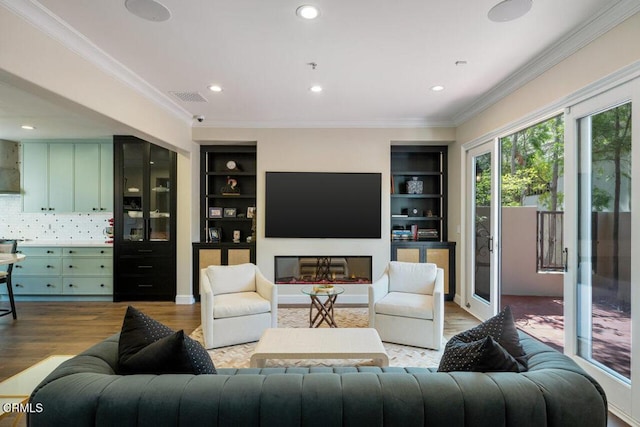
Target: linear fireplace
322,269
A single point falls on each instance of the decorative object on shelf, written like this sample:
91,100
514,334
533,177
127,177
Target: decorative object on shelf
252,238
230,212
429,213
160,189
414,186
415,212
414,231
214,234
236,236
232,165
132,202
215,212
231,189
251,211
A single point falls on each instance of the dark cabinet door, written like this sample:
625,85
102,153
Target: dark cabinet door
145,223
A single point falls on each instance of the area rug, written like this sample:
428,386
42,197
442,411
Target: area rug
237,356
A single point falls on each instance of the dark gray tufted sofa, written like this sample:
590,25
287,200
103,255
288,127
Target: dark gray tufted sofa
85,391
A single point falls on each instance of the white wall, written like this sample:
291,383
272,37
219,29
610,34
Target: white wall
519,271
326,150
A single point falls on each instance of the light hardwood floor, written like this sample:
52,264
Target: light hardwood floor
47,328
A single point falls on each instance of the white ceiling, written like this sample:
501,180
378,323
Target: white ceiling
376,59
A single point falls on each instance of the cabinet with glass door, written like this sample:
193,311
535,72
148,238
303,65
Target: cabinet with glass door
145,221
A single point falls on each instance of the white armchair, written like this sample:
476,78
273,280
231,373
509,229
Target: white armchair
237,304
406,304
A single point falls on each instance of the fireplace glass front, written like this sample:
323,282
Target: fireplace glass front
322,269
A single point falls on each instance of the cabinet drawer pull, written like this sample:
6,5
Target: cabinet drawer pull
19,285
18,252
49,266
145,266
51,209
145,286
102,285
102,251
147,251
71,266
70,251
102,266
43,209
17,266
49,251
71,285
49,285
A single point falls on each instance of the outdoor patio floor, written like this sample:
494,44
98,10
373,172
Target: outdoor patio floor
543,318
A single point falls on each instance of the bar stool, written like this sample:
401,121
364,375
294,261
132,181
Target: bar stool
8,246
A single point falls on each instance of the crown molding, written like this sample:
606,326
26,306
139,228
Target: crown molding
600,23
45,21
337,124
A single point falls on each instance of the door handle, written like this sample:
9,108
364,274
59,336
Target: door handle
490,240
566,259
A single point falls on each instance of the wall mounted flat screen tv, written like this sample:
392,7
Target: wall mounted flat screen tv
323,205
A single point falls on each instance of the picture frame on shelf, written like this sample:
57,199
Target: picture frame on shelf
215,234
215,212
251,211
230,212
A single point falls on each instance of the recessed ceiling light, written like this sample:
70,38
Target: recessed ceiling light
508,10
437,88
308,12
150,10
28,127
316,88
215,88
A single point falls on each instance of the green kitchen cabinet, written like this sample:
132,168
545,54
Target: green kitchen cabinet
48,177
93,177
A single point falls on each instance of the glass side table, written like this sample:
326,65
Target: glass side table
323,310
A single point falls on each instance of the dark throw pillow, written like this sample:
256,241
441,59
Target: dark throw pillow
502,328
147,346
483,355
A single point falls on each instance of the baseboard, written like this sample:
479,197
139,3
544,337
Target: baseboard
185,299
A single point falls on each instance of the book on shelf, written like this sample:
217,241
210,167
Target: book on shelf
427,233
401,235
399,216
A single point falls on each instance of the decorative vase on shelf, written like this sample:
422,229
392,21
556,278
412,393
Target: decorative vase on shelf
414,186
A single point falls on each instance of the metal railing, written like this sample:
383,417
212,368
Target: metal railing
550,251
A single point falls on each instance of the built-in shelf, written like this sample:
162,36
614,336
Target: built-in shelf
423,206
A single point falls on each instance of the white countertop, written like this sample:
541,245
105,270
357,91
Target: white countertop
93,243
10,258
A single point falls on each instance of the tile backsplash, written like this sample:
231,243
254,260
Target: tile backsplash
14,224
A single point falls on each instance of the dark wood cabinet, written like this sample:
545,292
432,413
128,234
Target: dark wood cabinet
443,254
419,209
227,207
145,221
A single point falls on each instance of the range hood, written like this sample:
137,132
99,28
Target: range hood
9,167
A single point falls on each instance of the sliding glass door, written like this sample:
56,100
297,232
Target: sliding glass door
482,299
605,236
